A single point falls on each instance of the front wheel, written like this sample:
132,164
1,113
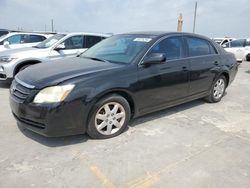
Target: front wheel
218,90
109,117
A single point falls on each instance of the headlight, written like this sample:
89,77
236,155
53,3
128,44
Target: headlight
7,59
53,94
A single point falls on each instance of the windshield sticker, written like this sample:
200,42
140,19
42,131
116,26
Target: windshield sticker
142,39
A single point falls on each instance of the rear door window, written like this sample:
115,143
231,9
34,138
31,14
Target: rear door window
91,41
199,47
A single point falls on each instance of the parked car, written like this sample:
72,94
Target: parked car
240,48
222,41
57,47
15,40
4,32
122,77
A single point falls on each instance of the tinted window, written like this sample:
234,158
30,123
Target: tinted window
237,43
25,39
36,38
198,47
91,41
75,42
172,47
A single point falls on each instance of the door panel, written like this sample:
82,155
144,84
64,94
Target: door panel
204,61
73,46
165,82
202,73
162,83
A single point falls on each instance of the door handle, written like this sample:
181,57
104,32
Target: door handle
216,63
184,68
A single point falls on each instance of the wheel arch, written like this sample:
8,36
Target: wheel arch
125,94
27,62
226,74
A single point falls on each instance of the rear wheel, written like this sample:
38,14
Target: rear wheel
109,117
218,90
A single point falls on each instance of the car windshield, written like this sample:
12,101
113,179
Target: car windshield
50,41
118,49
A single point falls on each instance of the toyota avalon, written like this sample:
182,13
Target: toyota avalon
120,78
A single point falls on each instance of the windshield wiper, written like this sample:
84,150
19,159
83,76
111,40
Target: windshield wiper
95,58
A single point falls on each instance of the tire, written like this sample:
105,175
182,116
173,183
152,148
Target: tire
105,120
218,90
248,57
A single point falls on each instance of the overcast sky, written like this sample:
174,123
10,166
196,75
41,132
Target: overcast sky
214,18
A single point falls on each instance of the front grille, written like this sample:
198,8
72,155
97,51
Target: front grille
30,122
19,91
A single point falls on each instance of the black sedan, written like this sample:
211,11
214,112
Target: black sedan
120,78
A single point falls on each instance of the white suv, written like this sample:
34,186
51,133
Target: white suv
19,40
55,47
222,41
240,48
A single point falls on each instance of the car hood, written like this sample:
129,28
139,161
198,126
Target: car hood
21,51
54,72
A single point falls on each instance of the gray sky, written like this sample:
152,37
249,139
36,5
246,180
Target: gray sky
215,17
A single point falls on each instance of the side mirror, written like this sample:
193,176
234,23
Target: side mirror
78,53
154,58
6,44
224,46
60,47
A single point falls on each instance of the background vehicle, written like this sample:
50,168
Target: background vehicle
4,32
240,48
222,41
119,78
15,40
57,47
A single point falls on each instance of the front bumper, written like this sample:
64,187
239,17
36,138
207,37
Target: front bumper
51,120
6,71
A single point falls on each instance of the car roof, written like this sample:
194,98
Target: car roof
26,33
86,33
165,33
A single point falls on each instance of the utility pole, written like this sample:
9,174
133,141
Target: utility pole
52,25
195,12
180,23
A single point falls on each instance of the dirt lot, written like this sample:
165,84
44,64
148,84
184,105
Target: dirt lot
192,145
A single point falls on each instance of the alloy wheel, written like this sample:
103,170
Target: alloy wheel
219,88
110,118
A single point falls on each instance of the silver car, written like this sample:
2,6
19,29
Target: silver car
56,47
14,40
